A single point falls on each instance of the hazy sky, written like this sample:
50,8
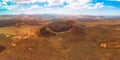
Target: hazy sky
77,7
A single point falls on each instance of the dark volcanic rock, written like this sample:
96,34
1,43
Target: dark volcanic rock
2,48
45,32
60,26
53,28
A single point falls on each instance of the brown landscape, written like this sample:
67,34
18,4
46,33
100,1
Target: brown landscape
27,37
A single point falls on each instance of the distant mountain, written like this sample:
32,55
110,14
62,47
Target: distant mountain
111,17
68,16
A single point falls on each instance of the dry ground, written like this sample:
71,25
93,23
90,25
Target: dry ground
81,41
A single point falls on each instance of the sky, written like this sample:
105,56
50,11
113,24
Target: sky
67,7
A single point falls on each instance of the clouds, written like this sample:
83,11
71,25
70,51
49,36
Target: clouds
78,1
29,1
77,4
72,4
55,2
56,5
98,5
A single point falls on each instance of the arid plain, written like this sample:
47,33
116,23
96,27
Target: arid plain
33,37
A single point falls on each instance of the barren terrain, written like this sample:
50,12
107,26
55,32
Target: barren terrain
59,38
